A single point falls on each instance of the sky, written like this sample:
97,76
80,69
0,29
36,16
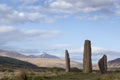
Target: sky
52,26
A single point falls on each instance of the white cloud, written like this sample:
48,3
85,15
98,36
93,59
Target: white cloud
74,6
43,11
77,6
10,16
90,17
96,17
61,4
77,50
95,50
26,1
97,53
4,8
12,34
59,46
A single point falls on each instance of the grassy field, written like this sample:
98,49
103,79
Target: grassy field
80,76
13,69
54,75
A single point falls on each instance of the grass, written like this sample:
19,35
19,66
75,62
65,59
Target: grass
59,74
22,75
80,76
75,76
63,76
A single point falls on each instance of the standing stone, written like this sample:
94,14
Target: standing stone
67,59
87,63
102,63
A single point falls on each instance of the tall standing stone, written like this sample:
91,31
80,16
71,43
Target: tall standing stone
87,63
67,59
102,63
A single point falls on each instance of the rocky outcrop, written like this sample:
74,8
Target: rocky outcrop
87,63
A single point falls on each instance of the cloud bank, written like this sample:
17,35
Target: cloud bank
44,11
97,53
13,34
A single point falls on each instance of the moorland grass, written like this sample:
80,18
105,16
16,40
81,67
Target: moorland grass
71,76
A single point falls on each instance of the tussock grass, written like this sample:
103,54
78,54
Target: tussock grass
23,75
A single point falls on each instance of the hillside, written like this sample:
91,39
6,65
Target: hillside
7,62
15,54
43,60
50,62
114,63
47,60
12,54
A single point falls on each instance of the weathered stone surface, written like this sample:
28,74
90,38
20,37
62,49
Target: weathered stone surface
102,63
67,59
87,63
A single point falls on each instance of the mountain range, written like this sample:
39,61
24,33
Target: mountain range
47,60
12,63
43,60
12,54
15,54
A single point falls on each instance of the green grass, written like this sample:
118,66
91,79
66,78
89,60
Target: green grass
73,76
81,76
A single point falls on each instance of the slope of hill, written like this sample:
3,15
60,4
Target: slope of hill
15,54
12,54
114,63
7,62
50,62
43,60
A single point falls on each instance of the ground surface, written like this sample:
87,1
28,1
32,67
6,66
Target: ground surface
67,76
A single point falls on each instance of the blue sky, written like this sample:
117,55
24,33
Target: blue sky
52,26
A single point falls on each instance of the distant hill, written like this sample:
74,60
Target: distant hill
51,62
44,55
43,60
114,63
12,54
17,55
7,62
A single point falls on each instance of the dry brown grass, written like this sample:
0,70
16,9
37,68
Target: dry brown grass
23,75
47,62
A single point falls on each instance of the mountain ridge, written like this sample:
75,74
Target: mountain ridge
12,54
15,54
43,55
43,60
